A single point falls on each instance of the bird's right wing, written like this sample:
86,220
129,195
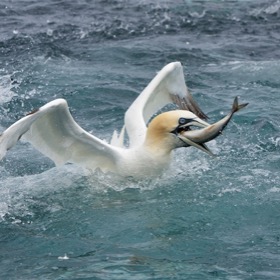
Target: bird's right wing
168,86
52,130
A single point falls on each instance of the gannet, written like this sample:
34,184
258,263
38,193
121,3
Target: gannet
52,130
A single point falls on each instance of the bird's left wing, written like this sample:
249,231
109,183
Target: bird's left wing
168,86
52,130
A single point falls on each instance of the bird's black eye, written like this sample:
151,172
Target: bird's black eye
182,125
183,121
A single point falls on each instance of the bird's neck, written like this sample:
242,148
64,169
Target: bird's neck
157,144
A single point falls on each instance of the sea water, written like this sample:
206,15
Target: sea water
205,218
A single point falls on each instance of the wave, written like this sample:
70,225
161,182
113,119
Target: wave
114,20
7,84
267,9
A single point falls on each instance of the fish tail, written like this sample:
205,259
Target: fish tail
236,107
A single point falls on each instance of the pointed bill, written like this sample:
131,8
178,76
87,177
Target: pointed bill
200,146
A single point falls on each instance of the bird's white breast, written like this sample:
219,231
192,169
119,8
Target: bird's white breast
140,162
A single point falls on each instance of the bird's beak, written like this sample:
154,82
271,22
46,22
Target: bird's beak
200,146
198,123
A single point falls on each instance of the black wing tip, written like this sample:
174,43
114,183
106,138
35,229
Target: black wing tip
188,103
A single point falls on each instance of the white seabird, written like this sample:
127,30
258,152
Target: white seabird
52,130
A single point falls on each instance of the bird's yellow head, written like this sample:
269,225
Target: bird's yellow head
164,131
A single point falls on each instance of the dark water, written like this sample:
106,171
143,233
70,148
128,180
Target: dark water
205,218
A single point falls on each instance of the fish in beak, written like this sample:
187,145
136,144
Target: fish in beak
199,137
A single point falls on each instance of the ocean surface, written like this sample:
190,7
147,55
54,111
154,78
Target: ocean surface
205,218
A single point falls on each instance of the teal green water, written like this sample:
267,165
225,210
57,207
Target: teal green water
204,218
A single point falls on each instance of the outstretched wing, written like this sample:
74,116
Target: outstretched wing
52,130
168,86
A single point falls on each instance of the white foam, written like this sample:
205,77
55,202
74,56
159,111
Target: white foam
65,257
273,9
18,193
269,10
6,86
275,190
275,141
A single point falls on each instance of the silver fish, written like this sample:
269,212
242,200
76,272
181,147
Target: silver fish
199,137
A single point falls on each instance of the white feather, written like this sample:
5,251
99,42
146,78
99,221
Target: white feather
52,130
154,97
